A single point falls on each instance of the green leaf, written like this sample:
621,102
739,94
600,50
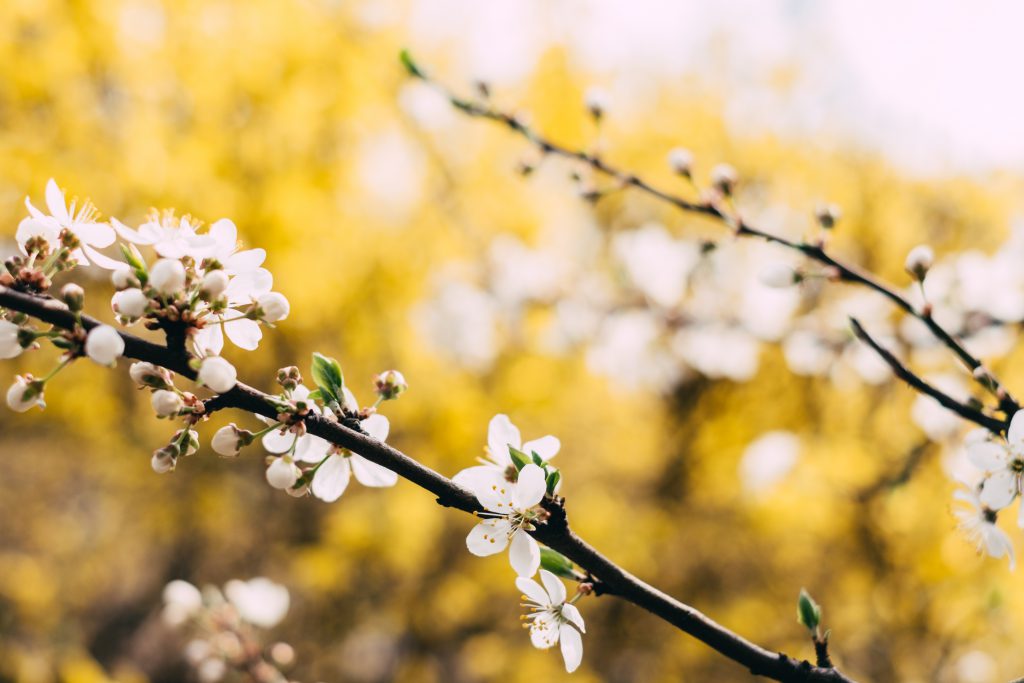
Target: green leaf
315,395
134,259
553,478
537,460
328,377
519,459
808,612
410,66
558,564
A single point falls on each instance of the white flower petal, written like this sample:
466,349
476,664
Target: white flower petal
546,447
370,473
1015,434
331,480
493,492
989,456
524,554
544,631
102,260
488,537
554,586
55,203
572,614
532,590
999,490
278,442
245,334
209,341
572,646
245,261
473,478
500,434
95,234
530,487
311,448
376,426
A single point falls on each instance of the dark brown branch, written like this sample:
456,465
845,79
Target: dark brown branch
815,252
916,382
555,533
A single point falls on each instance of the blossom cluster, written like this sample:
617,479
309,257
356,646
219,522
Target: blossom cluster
511,484
225,627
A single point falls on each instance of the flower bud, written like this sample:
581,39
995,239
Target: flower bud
283,473
724,179
149,375
597,102
213,285
228,441
217,374
390,384
828,215
24,394
73,295
289,378
164,459
104,345
919,261
273,307
183,594
191,444
166,403
122,278
681,161
167,276
130,303
779,275
10,339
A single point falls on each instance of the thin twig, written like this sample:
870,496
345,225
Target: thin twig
555,533
907,375
816,252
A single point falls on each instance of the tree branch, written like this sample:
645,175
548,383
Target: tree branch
554,533
815,252
907,375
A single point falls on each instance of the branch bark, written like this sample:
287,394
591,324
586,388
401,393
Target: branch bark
555,533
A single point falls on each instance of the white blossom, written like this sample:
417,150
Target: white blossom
509,511
501,434
552,620
303,447
724,177
24,394
10,345
218,374
164,459
104,345
919,261
274,307
1003,461
182,601
332,477
226,441
148,375
166,403
283,473
131,303
778,275
978,522
259,601
681,161
167,276
77,219
171,237
214,283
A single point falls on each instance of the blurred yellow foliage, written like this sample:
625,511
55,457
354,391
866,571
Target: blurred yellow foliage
287,117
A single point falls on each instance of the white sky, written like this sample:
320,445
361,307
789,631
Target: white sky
934,84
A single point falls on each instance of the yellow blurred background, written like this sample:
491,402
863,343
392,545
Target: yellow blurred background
295,120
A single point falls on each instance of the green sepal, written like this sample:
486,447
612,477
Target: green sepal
553,477
134,259
558,564
519,459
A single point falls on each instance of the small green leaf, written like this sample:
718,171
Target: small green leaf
808,612
553,478
537,460
134,259
315,395
328,377
410,66
558,564
519,459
